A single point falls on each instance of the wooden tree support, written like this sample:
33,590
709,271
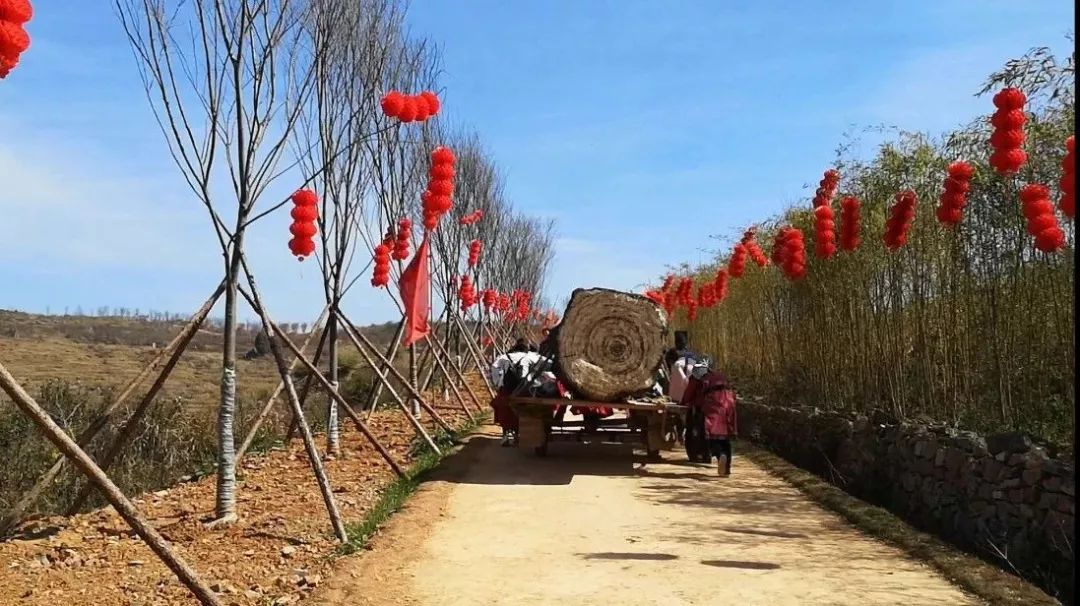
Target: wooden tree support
453,386
294,400
173,350
360,425
395,343
358,339
306,390
265,412
123,506
471,347
443,354
393,393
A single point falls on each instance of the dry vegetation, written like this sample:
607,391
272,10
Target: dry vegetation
65,364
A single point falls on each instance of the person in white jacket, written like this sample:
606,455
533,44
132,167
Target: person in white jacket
520,356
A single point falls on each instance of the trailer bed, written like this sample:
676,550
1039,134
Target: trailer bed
541,422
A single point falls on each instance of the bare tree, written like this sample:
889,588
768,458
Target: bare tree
219,75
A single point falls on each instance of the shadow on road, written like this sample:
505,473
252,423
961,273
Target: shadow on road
742,565
655,557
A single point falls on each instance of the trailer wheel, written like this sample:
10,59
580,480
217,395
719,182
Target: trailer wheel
653,456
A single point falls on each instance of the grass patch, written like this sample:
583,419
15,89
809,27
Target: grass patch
394,496
970,572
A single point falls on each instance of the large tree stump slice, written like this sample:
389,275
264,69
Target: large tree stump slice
609,344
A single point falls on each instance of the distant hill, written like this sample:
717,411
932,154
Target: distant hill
143,331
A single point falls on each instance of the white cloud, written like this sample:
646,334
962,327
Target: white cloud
62,206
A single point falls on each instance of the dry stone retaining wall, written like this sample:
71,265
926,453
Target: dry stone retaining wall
999,495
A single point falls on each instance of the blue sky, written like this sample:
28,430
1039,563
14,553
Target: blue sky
643,128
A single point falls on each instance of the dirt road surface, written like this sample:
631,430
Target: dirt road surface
592,524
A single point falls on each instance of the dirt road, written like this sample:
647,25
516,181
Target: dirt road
594,525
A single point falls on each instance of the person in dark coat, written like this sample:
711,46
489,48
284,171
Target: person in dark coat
710,393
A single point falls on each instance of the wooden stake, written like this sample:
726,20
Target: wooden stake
453,385
294,401
174,350
394,343
360,425
265,412
123,506
457,370
359,338
393,393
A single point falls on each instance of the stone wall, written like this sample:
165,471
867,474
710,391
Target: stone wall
994,496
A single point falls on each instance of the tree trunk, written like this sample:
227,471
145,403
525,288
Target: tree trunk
610,344
333,431
225,502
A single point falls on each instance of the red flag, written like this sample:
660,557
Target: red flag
415,287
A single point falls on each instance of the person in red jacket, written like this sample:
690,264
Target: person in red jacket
709,392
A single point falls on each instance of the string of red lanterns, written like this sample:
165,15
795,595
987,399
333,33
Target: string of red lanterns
472,217
1067,204
304,214
824,232
1008,136
753,249
14,40
410,108
737,263
953,200
827,188
901,215
380,275
849,223
474,252
467,293
720,285
401,242
436,198
1042,223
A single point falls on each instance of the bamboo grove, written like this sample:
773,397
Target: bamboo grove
970,324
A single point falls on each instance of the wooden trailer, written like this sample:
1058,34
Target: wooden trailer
541,422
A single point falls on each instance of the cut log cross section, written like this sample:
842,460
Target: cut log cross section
610,344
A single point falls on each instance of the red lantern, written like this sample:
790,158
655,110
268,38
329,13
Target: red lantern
1067,204
13,37
432,100
392,103
490,298
827,188
16,11
1035,202
849,223
1008,136
898,224
824,232
737,263
301,247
